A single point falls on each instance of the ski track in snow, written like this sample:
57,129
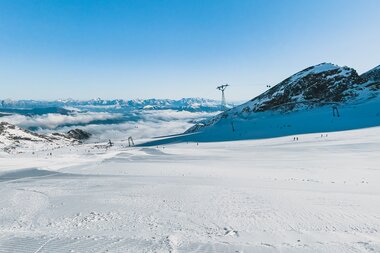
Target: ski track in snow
318,194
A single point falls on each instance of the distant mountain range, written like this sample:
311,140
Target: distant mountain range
320,98
54,115
57,106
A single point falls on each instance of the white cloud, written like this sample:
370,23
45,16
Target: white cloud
146,124
151,124
52,120
168,115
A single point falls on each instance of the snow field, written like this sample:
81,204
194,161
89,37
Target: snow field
317,194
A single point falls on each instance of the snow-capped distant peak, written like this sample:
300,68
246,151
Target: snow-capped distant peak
189,104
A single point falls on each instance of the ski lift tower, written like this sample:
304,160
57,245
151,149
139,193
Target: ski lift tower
222,88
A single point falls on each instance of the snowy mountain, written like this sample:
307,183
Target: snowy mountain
315,86
321,98
25,110
41,115
373,77
16,139
56,106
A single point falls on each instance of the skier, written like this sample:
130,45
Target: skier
130,141
335,111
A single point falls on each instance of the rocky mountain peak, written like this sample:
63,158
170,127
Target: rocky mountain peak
14,138
324,84
313,86
373,74
78,134
373,78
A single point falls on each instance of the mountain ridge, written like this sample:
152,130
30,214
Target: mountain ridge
186,104
315,86
17,139
321,98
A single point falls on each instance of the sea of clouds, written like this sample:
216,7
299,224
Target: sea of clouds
149,124
55,120
103,126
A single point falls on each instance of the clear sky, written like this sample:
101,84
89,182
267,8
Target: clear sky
171,49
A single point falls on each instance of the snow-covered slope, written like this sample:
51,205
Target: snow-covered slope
321,98
314,195
15,139
312,87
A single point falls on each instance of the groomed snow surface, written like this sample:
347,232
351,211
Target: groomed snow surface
318,194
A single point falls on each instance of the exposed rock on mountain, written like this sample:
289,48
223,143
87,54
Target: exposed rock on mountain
16,139
13,132
314,86
74,135
317,86
78,134
373,78
373,74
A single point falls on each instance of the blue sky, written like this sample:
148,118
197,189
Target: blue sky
172,49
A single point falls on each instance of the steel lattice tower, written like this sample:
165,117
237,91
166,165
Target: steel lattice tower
222,88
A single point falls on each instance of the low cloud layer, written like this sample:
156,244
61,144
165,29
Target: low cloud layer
139,125
150,124
53,120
